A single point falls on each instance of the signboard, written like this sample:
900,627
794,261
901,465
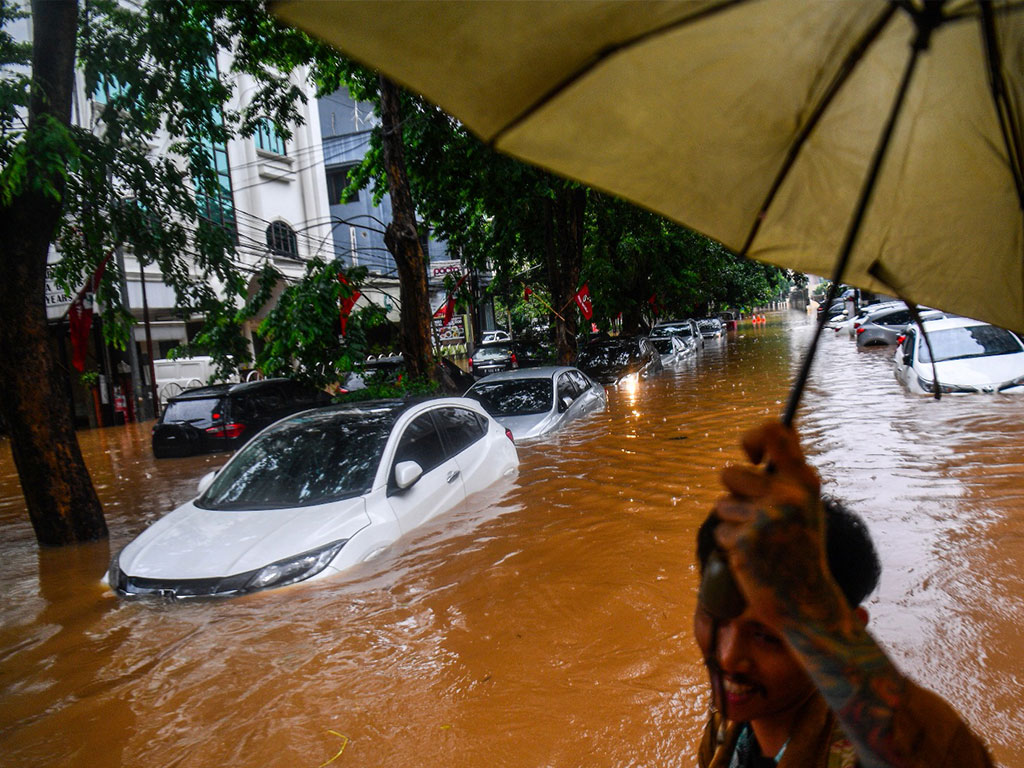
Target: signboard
57,300
453,333
437,270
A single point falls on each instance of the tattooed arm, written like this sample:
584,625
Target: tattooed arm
772,531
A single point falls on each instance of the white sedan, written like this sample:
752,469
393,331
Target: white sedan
316,493
969,356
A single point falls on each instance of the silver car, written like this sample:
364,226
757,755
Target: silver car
684,329
672,348
886,326
537,401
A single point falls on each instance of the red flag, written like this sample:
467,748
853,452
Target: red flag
447,310
582,299
80,316
527,293
653,301
347,302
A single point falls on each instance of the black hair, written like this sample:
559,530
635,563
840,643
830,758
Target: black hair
849,550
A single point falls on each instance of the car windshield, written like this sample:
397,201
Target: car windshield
598,355
683,331
312,459
517,397
707,324
975,341
491,352
190,410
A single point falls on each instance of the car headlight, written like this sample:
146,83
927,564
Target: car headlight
293,569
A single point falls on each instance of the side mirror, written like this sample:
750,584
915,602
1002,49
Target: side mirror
564,403
205,481
407,473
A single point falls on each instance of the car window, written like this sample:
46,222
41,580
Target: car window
421,443
492,352
975,341
581,380
517,397
567,386
901,317
191,410
908,343
308,460
460,427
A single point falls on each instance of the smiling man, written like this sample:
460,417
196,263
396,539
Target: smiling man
801,682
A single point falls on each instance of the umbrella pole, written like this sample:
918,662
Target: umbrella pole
926,21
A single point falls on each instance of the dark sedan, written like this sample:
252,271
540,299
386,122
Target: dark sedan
610,360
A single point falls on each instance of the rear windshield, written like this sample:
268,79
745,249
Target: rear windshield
513,398
975,341
492,352
191,410
312,459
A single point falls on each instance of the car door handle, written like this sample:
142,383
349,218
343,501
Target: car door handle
453,476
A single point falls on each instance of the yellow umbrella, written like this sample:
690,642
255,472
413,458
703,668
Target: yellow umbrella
754,122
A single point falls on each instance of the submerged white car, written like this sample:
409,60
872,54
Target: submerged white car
969,356
316,493
537,401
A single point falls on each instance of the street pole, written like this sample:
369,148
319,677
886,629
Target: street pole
153,405
133,352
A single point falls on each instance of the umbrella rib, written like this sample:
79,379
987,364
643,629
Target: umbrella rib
598,58
1009,123
854,56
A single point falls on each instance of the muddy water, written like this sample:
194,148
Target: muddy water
547,624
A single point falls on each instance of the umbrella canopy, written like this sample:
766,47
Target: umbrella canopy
754,122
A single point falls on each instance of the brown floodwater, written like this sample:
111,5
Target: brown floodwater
545,624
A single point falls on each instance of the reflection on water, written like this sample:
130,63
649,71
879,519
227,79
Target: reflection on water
547,623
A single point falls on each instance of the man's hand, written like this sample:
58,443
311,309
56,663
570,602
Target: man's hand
772,531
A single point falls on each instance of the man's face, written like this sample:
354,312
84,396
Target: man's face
762,678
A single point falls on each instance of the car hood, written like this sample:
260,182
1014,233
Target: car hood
530,425
978,371
194,543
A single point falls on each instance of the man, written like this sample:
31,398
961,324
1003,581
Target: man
802,682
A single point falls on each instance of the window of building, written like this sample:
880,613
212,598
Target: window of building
281,240
337,181
268,139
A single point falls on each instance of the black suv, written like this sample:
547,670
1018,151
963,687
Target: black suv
222,417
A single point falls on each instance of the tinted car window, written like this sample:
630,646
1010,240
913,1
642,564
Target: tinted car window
901,317
310,460
508,398
421,443
460,427
492,352
976,341
597,355
191,410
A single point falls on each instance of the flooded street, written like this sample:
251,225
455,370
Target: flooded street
548,624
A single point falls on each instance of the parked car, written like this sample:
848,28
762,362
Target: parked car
223,417
316,493
853,323
969,356
537,401
684,329
672,348
837,307
610,360
730,320
887,325
710,327
499,356
383,366
490,337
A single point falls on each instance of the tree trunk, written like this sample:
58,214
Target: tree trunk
563,254
61,501
403,242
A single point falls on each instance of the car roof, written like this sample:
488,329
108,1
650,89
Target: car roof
943,323
542,372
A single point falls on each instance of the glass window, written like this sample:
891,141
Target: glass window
895,318
281,240
460,427
567,387
420,443
975,341
268,139
313,459
337,181
581,380
513,398
191,410
492,352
